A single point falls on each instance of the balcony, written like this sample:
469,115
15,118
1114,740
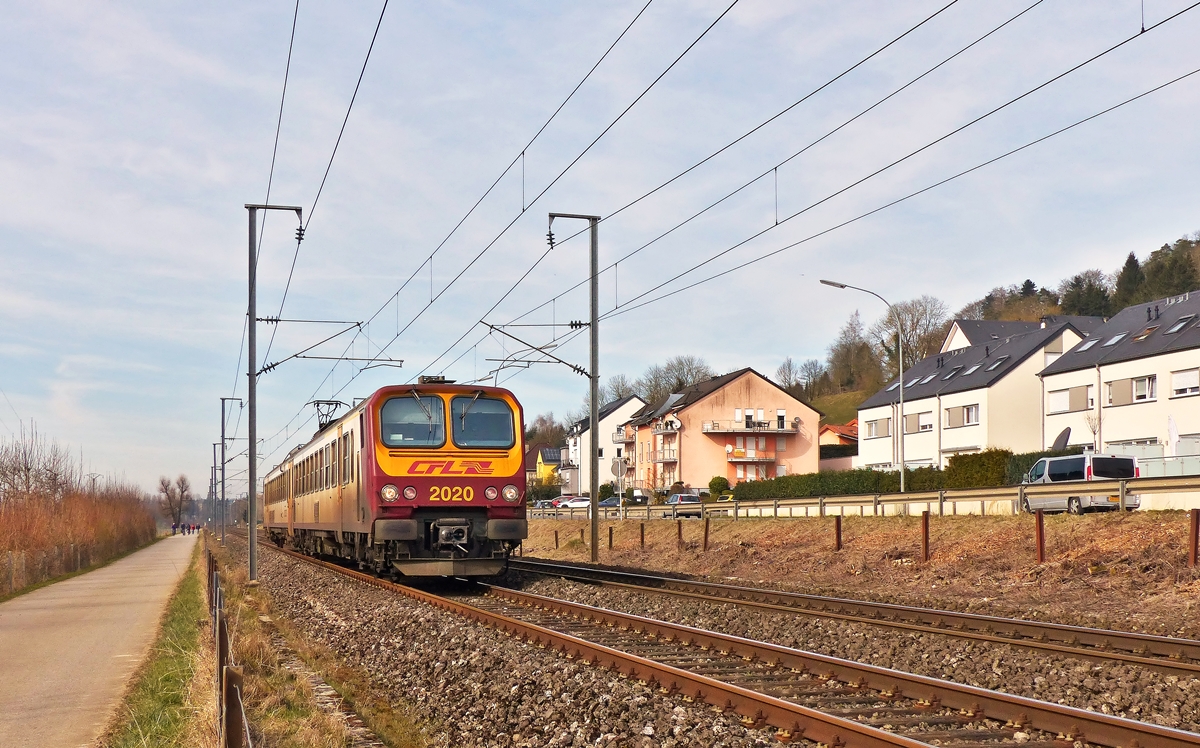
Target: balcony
748,455
754,427
665,428
621,436
665,455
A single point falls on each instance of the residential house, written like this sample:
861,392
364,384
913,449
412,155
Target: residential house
964,333
740,425
838,434
532,452
548,461
966,399
576,469
1133,387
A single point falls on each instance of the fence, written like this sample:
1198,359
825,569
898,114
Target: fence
996,501
232,726
19,569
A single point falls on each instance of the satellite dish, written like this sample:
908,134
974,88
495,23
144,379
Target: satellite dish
728,449
1061,442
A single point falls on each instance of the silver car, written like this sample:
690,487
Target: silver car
1081,469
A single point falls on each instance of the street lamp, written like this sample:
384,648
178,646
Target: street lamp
899,357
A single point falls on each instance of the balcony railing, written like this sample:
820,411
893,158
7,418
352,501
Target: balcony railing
665,428
620,436
751,455
741,427
665,455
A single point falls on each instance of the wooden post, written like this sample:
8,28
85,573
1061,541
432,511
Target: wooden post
1041,537
1194,539
556,540
235,731
679,533
642,533
706,534
610,537
925,536
837,533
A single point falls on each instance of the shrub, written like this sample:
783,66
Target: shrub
829,451
984,469
607,491
718,485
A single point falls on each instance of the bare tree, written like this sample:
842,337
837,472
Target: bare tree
788,374
853,362
175,499
815,378
546,428
684,371
618,386
922,328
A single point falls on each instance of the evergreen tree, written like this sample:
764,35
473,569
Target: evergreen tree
1084,296
1129,284
1028,288
1169,272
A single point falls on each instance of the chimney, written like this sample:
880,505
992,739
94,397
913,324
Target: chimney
1149,314
1156,311
987,351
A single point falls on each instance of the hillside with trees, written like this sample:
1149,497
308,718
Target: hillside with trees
862,358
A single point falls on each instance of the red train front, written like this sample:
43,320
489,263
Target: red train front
425,480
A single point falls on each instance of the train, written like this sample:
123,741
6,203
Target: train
416,480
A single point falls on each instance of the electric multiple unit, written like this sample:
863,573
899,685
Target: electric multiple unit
423,480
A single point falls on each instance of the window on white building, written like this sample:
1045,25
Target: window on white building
618,452
879,427
1058,401
1144,388
1185,382
970,415
925,421
600,451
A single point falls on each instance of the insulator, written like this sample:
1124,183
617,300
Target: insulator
550,238
300,234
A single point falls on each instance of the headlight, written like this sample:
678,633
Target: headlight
511,493
491,493
410,493
389,492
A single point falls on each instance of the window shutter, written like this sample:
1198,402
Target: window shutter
954,417
1121,392
1078,398
1058,401
912,423
1182,381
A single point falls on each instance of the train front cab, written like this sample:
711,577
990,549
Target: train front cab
447,483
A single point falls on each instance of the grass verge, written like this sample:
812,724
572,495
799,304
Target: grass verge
156,710
62,577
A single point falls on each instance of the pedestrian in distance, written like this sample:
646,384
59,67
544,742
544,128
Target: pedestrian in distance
174,527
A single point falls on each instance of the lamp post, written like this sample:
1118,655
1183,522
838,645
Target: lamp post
252,384
899,358
593,380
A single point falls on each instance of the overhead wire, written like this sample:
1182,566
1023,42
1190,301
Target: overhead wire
631,307
382,348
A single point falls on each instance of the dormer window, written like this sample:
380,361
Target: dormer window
953,371
1115,339
928,379
1087,344
996,363
911,382
894,386
1182,323
1146,333
971,370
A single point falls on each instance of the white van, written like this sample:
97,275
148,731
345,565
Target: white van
1081,468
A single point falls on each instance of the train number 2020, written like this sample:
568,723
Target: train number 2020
451,493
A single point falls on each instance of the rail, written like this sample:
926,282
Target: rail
790,719
1001,500
1162,653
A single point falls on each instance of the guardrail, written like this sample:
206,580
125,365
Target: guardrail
1001,500
232,726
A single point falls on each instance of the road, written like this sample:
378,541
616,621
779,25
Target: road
67,650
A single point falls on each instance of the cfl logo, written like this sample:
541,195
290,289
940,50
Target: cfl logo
447,467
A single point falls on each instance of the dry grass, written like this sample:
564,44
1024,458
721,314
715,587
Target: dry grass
1126,570
281,706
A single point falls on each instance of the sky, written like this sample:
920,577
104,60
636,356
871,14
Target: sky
132,135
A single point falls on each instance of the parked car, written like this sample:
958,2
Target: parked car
1081,469
685,504
636,500
725,496
611,501
561,500
576,502
543,504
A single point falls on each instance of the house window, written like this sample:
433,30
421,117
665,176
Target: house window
1115,339
762,472
970,415
918,422
1182,323
737,414
928,379
1185,382
879,428
618,452
1058,401
1087,344
780,443
781,418
762,443
953,371
1144,388
780,470
1071,400
741,472
911,382
740,442
1146,333
996,363
600,452
971,370
894,386
761,417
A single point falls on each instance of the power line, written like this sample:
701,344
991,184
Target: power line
546,189
977,167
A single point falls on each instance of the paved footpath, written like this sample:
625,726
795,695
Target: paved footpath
67,650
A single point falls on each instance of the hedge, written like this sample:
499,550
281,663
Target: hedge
991,468
829,451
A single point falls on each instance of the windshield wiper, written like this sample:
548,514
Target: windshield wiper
428,413
463,416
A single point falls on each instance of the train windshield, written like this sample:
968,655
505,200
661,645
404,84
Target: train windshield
413,420
479,421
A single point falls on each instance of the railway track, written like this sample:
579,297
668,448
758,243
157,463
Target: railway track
802,695
1164,654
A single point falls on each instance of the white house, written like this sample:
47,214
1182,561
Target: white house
576,472
1133,387
968,398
